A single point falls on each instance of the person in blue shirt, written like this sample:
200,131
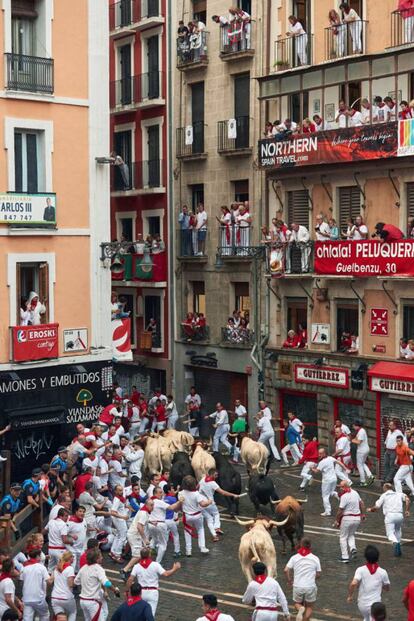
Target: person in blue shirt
186,233
136,498
11,504
31,488
135,608
60,464
292,442
172,525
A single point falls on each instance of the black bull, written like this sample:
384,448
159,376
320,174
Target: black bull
180,468
229,480
262,491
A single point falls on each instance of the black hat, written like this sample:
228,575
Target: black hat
15,486
36,472
62,449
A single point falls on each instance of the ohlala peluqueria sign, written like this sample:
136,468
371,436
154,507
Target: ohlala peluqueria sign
323,376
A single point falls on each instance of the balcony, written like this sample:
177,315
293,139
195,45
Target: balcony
193,333
132,15
193,246
293,52
192,51
142,264
235,242
30,74
190,142
402,30
233,136
143,177
137,92
236,43
346,39
237,337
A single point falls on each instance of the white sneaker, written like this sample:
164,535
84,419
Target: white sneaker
204,550
3,458
324,514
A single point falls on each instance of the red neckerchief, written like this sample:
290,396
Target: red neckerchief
121,498
260,579
29,548
342,435
304,551
65,566
31,561
4,576
163,478
75,518
213,614
145,508
134,495
154,498
372,567
145,562
208,479
133,600
345,490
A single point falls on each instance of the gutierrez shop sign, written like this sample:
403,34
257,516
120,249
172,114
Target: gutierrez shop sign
322,376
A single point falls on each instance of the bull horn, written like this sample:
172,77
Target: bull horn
244,522
275,502
273,523
301,502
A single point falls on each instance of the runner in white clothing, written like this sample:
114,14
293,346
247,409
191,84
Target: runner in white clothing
222,428
392,504
370,580
267,434
62,598
326,466
147,573
77,530
193,503
157,527
348,518
361,441
93,581
58,537
302,571
211,612
137,534
267,413
8,597
342,454
267,595
35,580
208,486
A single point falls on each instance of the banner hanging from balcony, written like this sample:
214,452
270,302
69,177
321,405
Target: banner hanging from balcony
121,340
34,342
26,209
365,258
335,146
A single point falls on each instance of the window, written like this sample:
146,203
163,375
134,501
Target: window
200,10
32,277
297,313
154,225
241,190
347,324
123,174
128,306
152,222
302,9
26,162
127,226
245,5
124,55
298,207
197,195
351,93
408,322
297,114
152,311
241,296
349,204
198,297
242,109
197,116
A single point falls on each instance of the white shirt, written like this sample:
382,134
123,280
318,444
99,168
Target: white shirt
342,118
119,507
343,445
115,477
79,530
362,436
135,457
61,588
296,29
242,219
366,115
360,233
327,467
355,119
6,588
191,501
296,424
323,228
90,463
221,617
391,502
57,529
222,418
349,502
207,488
34,583
103,468
265,425
54,511
345,429
158,512
201,219
195,398
142,517
148,576
266,412
135,417
241,411
304,570
268,595
91,579
88,501
370,586
301,235
351,17
391,439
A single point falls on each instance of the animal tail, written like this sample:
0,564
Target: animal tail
255,557
159,456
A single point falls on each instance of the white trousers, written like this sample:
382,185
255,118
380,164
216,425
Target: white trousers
134,430
302,48
266,615
408,29
393,526
220,436
159,534
144,424
151,596
365,610
364,471
40,609
172,421
404,473
355,28
294,450
54,556
90,608
120,536
268,439
349,526
306,473
197,522
340,472
340,40
328,490
67,606
212,517
172,527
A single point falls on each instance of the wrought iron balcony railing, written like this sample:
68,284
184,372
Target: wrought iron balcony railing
293,52
30,73
402,28
238,336
193,333
236,37
137,176
192,49
345,39
190,140
193,243
235,241
136,89
233,134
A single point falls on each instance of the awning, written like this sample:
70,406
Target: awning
392,370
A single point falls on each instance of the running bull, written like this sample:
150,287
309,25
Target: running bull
290,509
229,480
262,491
257,545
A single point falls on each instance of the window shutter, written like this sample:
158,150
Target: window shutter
198,287
18,293
241,289
31,146
298,207
44,290
410,200
349,204
18,172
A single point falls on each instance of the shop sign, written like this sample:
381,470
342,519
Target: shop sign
35,342
379,322
392,386
121,340
323,376
75,340
26,209
321,333
285,370
365,258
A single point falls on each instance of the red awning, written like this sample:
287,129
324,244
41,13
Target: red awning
392,370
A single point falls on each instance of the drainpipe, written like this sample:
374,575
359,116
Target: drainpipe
170,196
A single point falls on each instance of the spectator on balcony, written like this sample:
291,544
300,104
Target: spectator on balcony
360,230
266,235
349,229
301,39
351,18
409,355
308,127
403,348
184,224
243,225
140,244
300,237
158,245
268,132
320,124
188,326
387,232
410,229
245,20
35,308
220,19
406,112
117,309
346,342
390,108
183,43
197,38
322,229
380,112
234,211
123,168
225,230
182,30
302,336
236,316
366,110
355,118
152,327
338,30
201,229
291,341
334,230
341,117
24,312
406,9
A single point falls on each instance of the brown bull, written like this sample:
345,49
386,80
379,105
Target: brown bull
290,509
257,545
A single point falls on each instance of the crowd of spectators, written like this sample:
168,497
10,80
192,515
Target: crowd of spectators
191,40
235,29
235,226
193,227
152,244
195,327
237,330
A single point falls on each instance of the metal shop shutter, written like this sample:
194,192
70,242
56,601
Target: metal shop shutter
399,409
410,200
298,207
349,204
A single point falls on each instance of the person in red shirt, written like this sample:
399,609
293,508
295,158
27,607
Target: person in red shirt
310,458
160,415
292,340
408,600
135,395
405,112
308,127
91,544
387,232
81,481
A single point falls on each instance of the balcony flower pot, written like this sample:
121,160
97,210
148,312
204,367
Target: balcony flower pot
281,64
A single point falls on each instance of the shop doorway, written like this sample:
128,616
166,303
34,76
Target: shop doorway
304,406
391,408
